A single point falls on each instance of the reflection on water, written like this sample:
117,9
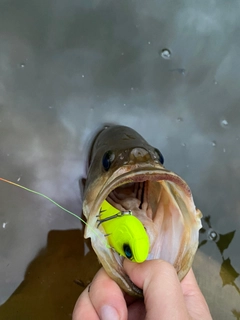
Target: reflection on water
53,280
227,272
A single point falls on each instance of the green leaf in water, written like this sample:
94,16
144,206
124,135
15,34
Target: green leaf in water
228,273
236,314
225,240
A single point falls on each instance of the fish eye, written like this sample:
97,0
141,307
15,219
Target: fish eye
107,160
160,156
127,250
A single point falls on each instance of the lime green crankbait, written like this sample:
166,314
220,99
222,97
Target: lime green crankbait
125,233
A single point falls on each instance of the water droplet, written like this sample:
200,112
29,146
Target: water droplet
4,225
122,53
212,235
214,143
224,150
166,54
183,144
132,89
149,42
50,107
18,179
106,127
22,65
179,119
124,104
83,76
215,82
187,165
224,123
237,138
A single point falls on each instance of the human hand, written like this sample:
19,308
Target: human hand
164,296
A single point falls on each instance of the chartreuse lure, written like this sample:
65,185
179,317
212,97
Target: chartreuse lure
125,233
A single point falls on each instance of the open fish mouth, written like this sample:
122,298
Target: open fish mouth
159,198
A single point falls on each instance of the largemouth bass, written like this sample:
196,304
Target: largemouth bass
129,174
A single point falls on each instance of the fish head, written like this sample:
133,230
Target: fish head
128,172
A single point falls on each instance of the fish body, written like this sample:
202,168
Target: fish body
129,174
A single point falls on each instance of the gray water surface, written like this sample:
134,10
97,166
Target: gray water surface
169,70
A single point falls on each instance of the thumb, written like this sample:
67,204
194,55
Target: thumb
162,291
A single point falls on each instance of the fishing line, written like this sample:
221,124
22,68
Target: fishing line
54,202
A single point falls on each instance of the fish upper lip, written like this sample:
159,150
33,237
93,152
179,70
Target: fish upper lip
118,180
138,171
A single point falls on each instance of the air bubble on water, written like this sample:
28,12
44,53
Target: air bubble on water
83,76
122,53
224,123
18,179
212,235
4,225
187,165
149,42
166,54
215,82
124,104
183,144
224,150
106,127
132,89
179,119
214,143
22,65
